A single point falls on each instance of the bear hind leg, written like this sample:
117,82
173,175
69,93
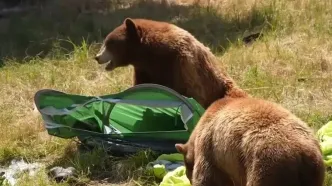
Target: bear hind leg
280,173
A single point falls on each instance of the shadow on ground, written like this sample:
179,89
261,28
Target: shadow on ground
40,30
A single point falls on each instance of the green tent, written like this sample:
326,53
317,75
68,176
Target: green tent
144,116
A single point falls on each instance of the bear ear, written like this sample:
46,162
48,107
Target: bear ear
181,148
132,29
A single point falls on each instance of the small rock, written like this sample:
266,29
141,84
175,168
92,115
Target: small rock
60,174
302,79
10,174
324,65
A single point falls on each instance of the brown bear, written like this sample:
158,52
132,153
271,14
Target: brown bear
165,54
252,142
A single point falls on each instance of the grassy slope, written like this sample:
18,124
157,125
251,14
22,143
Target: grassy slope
291,65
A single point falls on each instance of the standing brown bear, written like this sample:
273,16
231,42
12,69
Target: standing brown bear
165,54
252,142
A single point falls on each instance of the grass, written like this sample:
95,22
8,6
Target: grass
53,47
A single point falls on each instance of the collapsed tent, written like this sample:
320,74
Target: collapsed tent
146,116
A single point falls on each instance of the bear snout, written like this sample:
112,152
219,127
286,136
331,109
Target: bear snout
103,56
97,58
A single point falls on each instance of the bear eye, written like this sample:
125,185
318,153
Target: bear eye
113,43
110,44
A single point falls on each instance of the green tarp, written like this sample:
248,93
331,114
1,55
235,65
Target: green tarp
143,112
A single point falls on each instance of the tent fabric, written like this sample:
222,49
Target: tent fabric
170,169
144,112
325,138
186,113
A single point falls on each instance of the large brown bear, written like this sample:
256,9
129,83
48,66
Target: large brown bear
252,142
165,54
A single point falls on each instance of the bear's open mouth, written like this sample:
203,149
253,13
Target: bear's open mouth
110,66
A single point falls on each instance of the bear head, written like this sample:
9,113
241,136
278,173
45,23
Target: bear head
188,159
120,46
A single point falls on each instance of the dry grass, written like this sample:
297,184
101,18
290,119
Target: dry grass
291,64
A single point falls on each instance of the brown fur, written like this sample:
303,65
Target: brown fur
165,54
252,142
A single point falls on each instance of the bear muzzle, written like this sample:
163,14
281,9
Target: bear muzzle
103,56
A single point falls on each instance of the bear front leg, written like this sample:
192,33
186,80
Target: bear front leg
140,77
206,174
202,173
